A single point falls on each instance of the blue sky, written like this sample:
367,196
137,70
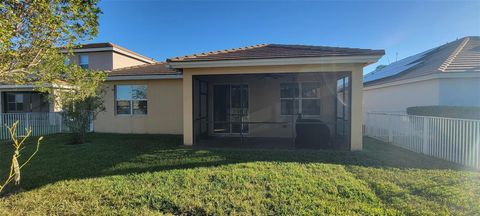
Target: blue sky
161,29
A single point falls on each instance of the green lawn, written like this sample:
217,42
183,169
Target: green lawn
155,174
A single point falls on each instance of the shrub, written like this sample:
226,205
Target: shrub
79,114
446,111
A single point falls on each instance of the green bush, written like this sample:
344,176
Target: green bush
446,111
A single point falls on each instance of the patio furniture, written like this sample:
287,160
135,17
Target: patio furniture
312,133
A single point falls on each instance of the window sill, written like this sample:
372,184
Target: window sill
303,116
131,115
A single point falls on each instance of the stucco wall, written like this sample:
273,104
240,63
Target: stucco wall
445,91
397,98
164,110
106,60
120,61
357,83
460,92
97,60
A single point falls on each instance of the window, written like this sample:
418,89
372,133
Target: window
131,99
15,102
300,98
83,63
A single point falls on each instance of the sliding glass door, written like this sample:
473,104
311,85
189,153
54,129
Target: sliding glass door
230,107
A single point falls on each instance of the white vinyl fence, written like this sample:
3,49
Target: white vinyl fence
456,140
41,123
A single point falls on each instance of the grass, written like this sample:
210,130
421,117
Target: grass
155,174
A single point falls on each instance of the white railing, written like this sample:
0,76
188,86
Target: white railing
41,123
456,140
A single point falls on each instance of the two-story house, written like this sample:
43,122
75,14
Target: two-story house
98,56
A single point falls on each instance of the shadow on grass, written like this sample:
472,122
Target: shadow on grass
120,154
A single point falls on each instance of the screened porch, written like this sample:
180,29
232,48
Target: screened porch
274,110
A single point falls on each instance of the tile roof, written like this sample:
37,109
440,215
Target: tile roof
462,55
95,45
112,45
269,51
465,58
158,68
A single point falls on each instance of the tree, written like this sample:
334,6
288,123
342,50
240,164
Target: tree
36,37
81,100
32,31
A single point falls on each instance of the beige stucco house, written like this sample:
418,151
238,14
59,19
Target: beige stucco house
250,95
98,56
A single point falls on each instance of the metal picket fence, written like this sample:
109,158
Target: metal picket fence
41,123
456,140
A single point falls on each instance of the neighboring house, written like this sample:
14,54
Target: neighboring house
254,92
448,75
99,56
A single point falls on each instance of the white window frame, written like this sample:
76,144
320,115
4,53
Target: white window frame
130,101
83,64
299,99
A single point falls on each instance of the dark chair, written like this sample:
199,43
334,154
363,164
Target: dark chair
312,133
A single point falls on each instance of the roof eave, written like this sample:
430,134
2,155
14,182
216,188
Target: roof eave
144,77
457,75
362,59
113,49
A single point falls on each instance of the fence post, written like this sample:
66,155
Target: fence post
390,132
2,126
27,120
426,132
366,124
60,122
91,122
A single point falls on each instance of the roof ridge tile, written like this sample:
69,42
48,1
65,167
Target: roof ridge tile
454,54
266,51
219,51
